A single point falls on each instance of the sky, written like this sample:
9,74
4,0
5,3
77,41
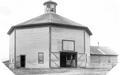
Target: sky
101,16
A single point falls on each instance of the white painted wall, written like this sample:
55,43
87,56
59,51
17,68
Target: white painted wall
87,47
31,41
11,49
87,43
59,34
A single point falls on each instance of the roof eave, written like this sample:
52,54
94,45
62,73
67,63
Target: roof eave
104,54
46,24
11,30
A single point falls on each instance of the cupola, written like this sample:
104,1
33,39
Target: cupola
50,6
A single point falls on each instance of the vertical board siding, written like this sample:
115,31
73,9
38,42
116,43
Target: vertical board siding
11,49
31,41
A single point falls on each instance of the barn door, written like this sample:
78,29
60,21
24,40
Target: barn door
55,59
68,59
22,61
81,60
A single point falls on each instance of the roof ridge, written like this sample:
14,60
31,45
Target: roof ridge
102,51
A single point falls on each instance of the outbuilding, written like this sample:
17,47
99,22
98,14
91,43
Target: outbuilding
102,57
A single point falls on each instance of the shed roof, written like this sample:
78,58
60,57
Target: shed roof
95,50
50,18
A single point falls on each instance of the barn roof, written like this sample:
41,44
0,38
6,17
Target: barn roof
49,18
95,50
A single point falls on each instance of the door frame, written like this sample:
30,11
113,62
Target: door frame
69,52
21,61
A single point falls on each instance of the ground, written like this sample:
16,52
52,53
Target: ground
64,71
61,71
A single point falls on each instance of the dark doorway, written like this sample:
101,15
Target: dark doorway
22,60
68,59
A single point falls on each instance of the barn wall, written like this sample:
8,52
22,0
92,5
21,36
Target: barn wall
99,62
103,61
31,41
81,38
59,34
11,49
114,60
87,46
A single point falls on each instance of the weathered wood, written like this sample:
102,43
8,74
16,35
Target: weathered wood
55,60
81,60
29,42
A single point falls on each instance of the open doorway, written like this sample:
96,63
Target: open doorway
68,59
22,61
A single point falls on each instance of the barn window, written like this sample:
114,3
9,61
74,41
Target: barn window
40,57
68,45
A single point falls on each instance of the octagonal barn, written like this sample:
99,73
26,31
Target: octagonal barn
49,41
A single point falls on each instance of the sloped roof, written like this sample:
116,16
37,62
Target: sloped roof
50,18
95,50
48,2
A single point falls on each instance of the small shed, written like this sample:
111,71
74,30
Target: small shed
53,41
102,57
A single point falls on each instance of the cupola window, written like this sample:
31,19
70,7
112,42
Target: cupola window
50,7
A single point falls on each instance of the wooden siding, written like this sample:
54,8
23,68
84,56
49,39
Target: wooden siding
81,38
11,49
87,43
113,60
87,47
103,61
29,42
55,59
81,62
59,34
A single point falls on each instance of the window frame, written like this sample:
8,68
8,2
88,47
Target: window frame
42,56
68,41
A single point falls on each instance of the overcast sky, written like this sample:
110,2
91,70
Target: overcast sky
101,16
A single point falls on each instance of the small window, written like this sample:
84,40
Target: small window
52,10
48,6
40,57
52,6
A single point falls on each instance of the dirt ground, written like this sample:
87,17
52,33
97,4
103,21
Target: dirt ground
60,71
